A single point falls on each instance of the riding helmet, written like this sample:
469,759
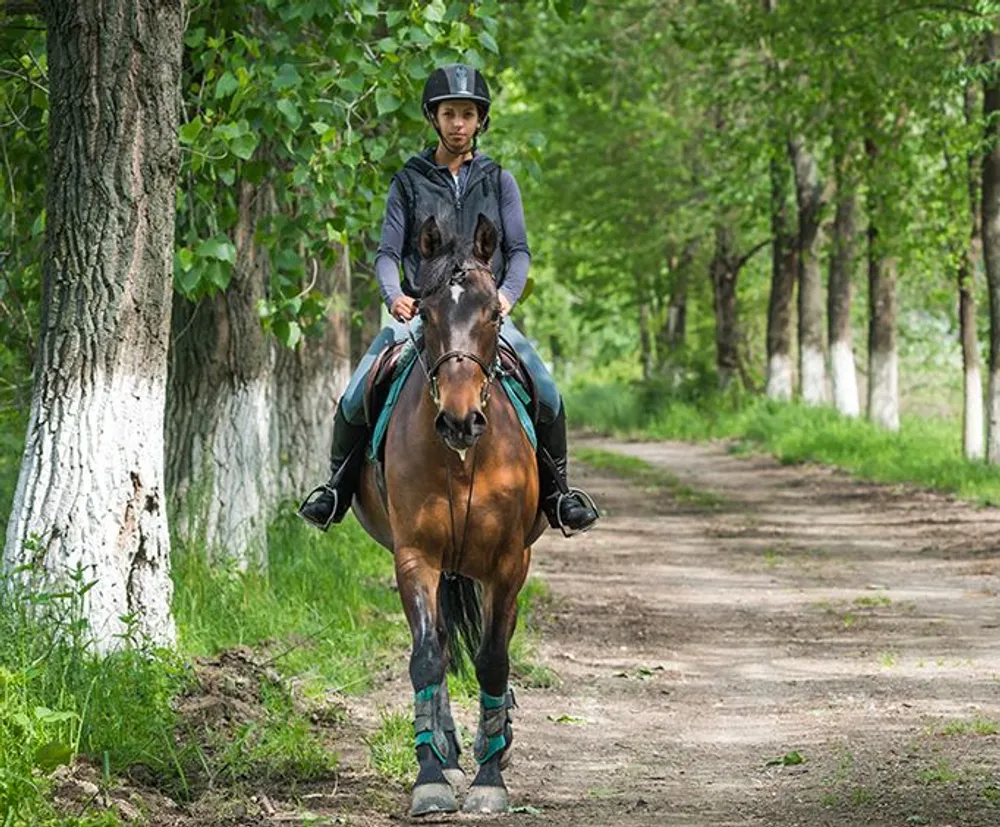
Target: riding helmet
457,81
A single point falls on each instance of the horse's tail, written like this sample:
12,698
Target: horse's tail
460,603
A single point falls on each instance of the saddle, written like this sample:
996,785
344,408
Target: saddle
397,357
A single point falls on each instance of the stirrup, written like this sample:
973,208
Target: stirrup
319,489
587,499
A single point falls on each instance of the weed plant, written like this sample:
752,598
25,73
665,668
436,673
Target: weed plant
58,699
325,608
925,452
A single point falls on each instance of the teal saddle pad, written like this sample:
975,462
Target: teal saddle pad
516,392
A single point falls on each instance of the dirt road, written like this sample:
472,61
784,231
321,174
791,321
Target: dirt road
812,650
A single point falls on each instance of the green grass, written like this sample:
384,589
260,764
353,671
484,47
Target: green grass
925,452
325,609
390,747
645,474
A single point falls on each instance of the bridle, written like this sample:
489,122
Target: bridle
490,369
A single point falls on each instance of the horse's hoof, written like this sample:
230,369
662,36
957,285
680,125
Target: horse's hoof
456,777
486,800
433,798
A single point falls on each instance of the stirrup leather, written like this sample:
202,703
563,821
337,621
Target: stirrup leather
571,493
315,493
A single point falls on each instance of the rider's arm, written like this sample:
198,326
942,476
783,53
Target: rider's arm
515,239
390,247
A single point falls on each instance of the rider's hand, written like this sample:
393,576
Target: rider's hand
504,305
403,308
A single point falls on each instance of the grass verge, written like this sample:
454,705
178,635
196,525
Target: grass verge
647,475
925,452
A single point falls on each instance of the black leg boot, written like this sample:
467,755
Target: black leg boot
568,509
329,502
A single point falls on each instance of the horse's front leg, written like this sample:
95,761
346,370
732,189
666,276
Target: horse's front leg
488,793
436,744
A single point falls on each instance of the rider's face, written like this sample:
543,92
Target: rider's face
458,121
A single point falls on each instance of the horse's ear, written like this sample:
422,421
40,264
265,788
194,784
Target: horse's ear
484,241
429,241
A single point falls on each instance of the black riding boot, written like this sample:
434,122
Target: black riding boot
329,502
568,509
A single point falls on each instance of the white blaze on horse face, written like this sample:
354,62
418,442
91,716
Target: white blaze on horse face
456,292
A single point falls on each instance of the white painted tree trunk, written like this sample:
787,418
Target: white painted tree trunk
813,375
844,377
883,389
780,377
90,492
972,419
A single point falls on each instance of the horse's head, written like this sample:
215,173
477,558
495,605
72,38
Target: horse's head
460,309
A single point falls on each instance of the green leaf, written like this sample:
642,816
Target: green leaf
243,147
226,85
219,248
53,754
789,759
435,11
386,101
194,37
393,18
489,42
291,112
369,7
288,77
189,133
185,259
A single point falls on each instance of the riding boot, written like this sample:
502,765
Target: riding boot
329,502
568,509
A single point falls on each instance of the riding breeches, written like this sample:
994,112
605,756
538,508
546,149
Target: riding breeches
353,400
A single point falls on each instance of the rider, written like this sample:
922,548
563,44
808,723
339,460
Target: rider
452,180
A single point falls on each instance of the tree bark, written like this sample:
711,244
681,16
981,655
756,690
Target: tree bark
839,290
90,492
780,368
809,196
308,382
883,358
219,470
991,235
973,444
672,336
724,277
645,341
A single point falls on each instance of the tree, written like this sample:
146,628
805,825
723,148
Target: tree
90,495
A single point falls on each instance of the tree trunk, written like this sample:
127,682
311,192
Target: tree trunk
219,471
842,369
724,275
308,382
645,342
972,412
883,359
809,196
780,371
672,336
90,491
991,236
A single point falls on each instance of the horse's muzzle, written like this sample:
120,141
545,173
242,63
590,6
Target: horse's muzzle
460,433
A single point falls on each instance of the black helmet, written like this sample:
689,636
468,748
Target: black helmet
461,82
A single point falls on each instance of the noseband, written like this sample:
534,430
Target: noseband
489,370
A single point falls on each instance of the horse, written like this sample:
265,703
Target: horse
460,512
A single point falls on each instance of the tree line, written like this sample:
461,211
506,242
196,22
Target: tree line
187,230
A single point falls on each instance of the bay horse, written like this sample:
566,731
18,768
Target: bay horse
460,514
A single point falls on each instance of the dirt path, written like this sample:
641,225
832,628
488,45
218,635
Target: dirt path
808,615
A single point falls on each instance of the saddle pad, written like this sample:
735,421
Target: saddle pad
516,392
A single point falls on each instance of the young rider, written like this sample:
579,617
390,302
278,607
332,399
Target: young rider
455,181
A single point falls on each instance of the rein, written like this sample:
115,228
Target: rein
490,372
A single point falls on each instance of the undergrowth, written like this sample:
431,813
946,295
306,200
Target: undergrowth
925,451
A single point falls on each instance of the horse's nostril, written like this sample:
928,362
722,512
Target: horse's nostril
444,424
475,423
